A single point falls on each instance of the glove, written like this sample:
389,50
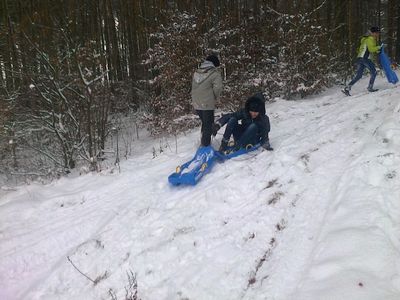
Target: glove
215,128
267,146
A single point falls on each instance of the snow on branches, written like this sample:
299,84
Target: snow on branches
278,54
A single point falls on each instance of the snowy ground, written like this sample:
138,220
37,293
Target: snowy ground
318,218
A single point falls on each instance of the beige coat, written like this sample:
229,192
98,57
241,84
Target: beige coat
206,86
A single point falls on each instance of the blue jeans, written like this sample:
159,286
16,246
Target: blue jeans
363,63
243,135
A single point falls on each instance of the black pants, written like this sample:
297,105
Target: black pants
207,121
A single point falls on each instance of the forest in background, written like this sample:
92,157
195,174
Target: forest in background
79,78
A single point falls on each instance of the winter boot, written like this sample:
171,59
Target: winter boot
267,146
371,89
346,90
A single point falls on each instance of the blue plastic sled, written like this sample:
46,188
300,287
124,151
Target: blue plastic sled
231,154
385,63
192,171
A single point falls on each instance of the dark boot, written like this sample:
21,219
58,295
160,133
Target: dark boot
267,146
346,90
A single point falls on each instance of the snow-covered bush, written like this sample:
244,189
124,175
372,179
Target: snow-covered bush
180,46
278,54
302,66
172,59
62,113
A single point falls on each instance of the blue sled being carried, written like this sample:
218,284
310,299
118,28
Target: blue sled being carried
385,63
192,171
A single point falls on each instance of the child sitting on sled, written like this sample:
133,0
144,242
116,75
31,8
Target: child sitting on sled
253,129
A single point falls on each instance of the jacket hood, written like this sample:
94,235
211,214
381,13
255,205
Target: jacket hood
257,101
205,65
205,70
260,96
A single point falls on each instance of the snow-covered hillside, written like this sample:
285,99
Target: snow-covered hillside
318,218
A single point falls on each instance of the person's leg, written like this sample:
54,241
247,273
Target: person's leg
359,74
200,114
207,120
237,132
230,129
249,136
371,67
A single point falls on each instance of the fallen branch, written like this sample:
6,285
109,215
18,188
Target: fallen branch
76,268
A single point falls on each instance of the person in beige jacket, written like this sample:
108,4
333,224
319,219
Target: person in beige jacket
206,89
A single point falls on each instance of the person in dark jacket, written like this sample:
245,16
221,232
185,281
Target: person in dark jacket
206,89
254,127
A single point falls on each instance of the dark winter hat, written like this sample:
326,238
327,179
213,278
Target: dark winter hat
214,59
375,29
255,106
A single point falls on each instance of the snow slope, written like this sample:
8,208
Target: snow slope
318,218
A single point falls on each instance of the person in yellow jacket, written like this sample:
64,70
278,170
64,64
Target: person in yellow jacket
366,54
